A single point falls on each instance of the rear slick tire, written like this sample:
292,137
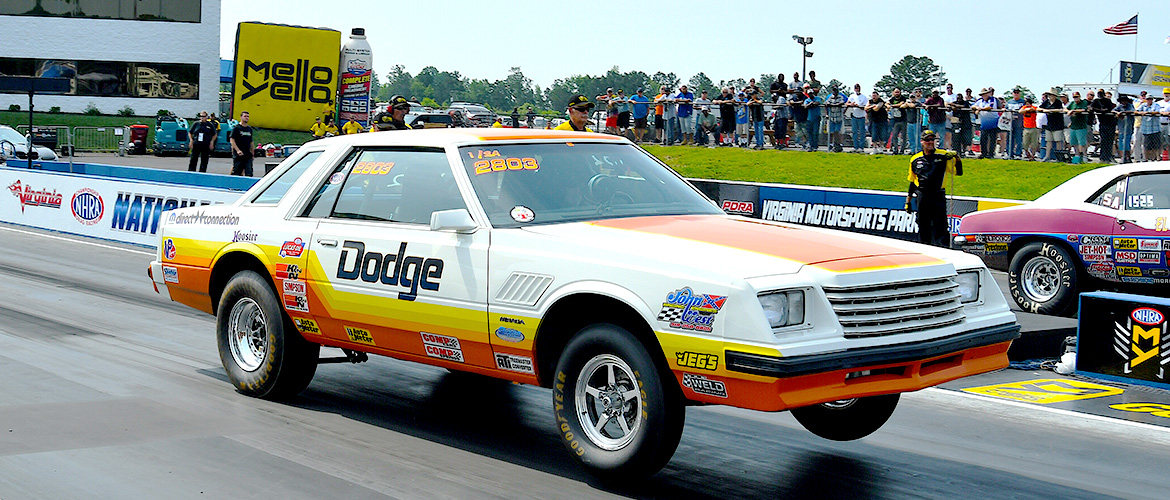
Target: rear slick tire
616,414
261,351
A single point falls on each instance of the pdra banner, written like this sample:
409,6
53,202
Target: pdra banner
284,74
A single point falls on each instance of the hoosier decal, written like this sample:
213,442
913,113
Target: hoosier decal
686,310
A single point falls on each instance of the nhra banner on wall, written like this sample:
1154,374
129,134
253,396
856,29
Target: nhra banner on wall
1123,337
107,208
284,75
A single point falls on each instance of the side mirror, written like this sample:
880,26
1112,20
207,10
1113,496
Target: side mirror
457,220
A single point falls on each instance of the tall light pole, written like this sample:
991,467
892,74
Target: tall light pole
804,42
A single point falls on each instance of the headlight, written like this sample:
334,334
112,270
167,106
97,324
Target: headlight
968,286
783,308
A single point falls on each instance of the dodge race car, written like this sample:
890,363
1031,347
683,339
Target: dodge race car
1105,228
580,263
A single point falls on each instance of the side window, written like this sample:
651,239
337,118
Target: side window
279,187
1148,192
390,185
1110,195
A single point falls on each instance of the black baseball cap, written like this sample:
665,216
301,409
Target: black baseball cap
929,134
579,101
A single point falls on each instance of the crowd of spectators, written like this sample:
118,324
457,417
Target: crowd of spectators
799,114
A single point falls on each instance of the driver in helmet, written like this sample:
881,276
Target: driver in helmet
394,116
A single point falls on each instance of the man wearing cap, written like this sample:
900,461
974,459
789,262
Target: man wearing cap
1031,134
1078,111
686,113
639,110
1016,136
1054,133
813,104
928,170
201,142
394,118
856,105
1150,129
1125,119
579,108
988,122
1164,119
707,126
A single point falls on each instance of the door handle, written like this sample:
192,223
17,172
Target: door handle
326,243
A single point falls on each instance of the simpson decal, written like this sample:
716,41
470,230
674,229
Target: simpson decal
703,385
514,363
294,287
686,310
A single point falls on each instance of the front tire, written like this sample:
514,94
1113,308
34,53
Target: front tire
261,351
1043,279
848,419
615,412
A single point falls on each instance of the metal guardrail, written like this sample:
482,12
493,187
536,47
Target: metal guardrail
100,139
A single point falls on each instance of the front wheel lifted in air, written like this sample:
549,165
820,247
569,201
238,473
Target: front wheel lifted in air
847,419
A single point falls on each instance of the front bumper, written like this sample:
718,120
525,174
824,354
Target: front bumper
782,367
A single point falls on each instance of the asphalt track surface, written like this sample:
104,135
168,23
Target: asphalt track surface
108,391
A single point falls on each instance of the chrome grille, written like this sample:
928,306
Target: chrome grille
899,307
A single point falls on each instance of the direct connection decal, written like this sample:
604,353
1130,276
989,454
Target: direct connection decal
1046,391
686,310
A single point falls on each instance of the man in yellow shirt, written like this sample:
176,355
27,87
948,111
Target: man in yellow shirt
327,110
318,129
579,108
352,127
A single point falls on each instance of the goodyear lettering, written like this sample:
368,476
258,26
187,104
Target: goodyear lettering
400,269
140,213
287,82
697,360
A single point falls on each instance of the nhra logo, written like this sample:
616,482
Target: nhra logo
741,207
87,206
30,198
287,82
169,249
686,310
408,271
1139,340
703,385
292,248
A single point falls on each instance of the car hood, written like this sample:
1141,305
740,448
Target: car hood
739,247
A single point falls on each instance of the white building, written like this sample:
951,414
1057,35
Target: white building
144,54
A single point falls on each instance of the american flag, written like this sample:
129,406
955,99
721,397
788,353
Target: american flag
1127,28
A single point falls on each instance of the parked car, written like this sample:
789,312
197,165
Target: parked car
14,145
580,263
430,120
478,114
1103,229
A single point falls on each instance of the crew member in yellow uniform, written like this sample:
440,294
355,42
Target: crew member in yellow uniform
318,129
327,110
394,118
352,127
579,108
928,169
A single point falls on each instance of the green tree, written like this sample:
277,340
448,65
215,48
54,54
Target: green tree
701,82
1024,92
912,73
668,79
398,82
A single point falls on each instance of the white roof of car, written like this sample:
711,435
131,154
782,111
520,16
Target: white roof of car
442,137
1088,182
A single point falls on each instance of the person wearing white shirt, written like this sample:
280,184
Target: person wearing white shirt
1164,120
856,105
949,98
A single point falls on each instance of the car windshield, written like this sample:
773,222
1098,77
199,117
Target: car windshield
10,135
476,110
567,182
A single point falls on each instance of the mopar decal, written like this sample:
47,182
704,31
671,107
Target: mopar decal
408,271
686,310
703,385
701,361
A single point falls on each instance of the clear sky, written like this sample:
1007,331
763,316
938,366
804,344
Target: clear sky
997,43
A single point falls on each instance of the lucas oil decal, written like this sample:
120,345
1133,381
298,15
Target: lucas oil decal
442,346
292,248
396,270
686,310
